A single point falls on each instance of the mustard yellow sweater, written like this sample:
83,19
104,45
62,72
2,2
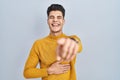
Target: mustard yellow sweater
43,52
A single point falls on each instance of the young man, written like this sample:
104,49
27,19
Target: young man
56,52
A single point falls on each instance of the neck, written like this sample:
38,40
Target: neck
56,34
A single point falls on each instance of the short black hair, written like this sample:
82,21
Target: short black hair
55,7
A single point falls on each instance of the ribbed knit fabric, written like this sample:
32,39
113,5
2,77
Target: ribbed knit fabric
43,51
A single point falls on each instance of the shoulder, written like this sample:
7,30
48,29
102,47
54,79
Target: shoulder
37,41
40,40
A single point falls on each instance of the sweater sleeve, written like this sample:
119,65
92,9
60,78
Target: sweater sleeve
78,41
30,70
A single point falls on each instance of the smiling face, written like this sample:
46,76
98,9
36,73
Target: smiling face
55,22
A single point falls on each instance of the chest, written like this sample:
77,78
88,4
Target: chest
48,53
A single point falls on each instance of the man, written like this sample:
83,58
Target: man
55,53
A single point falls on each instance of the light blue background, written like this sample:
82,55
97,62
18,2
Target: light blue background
96,22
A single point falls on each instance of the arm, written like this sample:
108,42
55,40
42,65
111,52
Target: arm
78,41
30,70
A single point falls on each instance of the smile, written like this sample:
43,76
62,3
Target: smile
55,25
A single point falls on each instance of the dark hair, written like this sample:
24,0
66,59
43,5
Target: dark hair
55,7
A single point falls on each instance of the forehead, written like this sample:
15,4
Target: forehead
55,13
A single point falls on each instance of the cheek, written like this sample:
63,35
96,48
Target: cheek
62,22
49,21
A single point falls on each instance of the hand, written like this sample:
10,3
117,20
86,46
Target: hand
67,49
58,68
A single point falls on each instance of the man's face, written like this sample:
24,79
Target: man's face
55,21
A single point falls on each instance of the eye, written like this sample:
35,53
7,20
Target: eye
51,17
59,17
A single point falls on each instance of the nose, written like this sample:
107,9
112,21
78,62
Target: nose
55,19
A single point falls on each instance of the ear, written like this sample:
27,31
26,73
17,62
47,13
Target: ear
63,21
47,20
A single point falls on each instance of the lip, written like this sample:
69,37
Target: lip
55,25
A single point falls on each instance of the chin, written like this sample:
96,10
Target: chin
57,31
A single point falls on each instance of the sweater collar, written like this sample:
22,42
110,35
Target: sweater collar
56,37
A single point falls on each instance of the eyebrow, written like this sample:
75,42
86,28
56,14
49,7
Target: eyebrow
57,16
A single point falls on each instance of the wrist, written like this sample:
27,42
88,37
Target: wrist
74,40
49,70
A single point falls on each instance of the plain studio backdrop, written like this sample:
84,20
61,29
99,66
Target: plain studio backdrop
96,22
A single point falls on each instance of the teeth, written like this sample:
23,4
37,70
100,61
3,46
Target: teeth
55,24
